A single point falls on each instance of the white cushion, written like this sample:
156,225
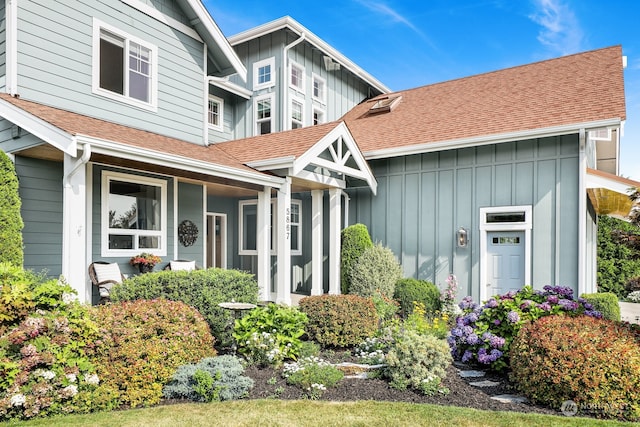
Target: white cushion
107,272
183,265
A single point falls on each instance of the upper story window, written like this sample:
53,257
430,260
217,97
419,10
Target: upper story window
134,214
319,89
264,73
263,108
215,113
318,116
297,77
125,68
297,114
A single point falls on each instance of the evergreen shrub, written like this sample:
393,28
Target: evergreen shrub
11,249
142,343
618,255
376,270
354,240
339,320
606,303
202,289
409,291
593,362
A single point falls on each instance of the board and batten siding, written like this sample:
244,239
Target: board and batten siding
55,65
40,191
3,47
423,199
191,207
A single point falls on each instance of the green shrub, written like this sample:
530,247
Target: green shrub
211,379
376,270
202,289
606,303
313,375
385,307
44,368
142,343
339,320
269,335
618,255
11,249
354,240
594,362
408,291
417,361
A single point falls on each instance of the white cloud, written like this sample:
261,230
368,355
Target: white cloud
561,30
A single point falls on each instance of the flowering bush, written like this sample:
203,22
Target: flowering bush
428,323
145,258
449,295
594,362
372,351
483,333
634,296
312,374
269,335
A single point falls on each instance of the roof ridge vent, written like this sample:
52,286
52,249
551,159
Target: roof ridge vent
384,105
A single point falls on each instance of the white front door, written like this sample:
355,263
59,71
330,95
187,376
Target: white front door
505,261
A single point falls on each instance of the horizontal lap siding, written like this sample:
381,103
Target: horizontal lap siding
55,54
41,195
423,199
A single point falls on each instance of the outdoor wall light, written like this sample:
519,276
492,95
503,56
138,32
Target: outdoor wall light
462,237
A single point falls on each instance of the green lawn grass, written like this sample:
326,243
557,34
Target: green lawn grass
313,413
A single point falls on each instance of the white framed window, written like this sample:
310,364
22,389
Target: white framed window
125,68
248,227
296,77
318,116
297,113
215,114
264,73
263,108
319,89
133,215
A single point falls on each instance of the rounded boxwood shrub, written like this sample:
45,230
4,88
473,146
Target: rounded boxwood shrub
376,270
354,240
409,290
593,362
606,303
142,343
202,289
339,320
11,249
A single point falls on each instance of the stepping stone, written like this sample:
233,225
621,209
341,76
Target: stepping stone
485,383
510,398
471,374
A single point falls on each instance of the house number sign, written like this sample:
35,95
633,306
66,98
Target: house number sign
187,233
288,223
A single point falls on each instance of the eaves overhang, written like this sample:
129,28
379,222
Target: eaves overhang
428,147
299,29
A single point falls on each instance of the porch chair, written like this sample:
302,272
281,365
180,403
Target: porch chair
181,265
104,275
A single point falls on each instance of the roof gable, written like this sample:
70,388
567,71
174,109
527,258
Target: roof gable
566,91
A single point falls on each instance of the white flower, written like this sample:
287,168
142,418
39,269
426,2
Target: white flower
92,379
68,297
47,375
18,400
71,377
70,390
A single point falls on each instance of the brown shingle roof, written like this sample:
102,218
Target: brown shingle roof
78,124
573,89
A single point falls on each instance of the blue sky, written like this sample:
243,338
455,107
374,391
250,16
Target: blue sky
407,44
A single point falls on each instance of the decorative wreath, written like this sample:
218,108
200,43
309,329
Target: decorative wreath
187,233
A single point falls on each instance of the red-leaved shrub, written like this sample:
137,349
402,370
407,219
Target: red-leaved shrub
339,320
593,362
142,343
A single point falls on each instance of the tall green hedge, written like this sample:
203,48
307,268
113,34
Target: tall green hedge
355,240
618,255
202,289
10,220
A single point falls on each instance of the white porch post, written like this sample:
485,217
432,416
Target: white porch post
283,287
263,245
316,242
334,240
74,217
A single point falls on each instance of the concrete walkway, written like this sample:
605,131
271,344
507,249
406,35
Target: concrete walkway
630,312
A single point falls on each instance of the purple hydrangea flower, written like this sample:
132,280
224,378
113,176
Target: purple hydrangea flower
471,318
496,341
492,303
552,299
593,313
545,306
467,303
525,304
568,305
497,322
467,330
513,316
472,339
467,356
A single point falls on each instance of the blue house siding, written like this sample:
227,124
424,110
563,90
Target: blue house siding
41,194
55,63
423,199
190,207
